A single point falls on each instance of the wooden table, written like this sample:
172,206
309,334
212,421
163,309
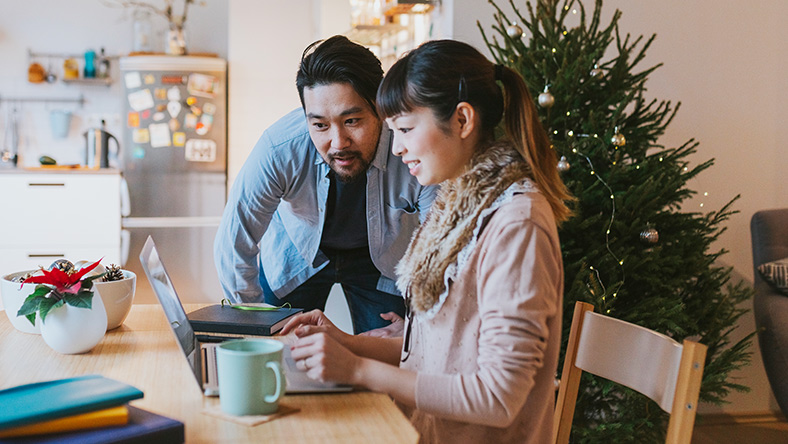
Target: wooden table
143,352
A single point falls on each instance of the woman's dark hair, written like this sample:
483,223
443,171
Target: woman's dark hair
338,60
440,74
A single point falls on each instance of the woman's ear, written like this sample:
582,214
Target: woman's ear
465,115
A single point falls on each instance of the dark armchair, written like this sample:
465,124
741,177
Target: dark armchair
769,229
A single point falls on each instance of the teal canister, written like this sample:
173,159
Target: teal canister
90,64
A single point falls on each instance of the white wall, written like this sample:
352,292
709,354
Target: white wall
72,27
726,62
265,46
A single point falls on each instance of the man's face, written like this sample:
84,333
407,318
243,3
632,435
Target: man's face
343,127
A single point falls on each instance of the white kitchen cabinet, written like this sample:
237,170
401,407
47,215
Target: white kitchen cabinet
47,216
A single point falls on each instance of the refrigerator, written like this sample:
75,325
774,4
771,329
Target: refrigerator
174,165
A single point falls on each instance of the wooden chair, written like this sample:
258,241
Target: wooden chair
651,363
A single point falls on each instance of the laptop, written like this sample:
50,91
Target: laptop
200,350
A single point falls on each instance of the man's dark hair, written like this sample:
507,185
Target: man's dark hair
338,60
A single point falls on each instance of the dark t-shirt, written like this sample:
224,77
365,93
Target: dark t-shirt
346,215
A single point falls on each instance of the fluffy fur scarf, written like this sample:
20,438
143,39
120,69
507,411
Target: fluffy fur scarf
451,222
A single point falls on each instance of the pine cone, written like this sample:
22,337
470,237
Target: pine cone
114,273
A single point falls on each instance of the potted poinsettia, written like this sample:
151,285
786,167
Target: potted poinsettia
72,320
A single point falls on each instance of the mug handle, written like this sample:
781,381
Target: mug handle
273,365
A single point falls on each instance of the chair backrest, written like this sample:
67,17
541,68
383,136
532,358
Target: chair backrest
646,361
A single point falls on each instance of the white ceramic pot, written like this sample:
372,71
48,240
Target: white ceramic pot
14,295
72,330
117,297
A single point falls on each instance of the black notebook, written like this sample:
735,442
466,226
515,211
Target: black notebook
225,319
144,427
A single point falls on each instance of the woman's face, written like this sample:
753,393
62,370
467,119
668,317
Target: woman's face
432,153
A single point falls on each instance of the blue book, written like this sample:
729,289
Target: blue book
144,427
41,401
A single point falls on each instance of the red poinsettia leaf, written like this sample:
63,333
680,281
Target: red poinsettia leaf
49,278
35,280
84,270
60,278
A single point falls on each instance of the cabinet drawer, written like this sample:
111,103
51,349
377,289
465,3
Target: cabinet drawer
21,259
49,210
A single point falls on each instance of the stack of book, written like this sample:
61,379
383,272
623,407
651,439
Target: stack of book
85,409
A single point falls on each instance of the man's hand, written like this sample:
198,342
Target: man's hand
393,330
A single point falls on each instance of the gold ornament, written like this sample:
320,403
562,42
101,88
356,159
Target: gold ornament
649,236
618,139
546,100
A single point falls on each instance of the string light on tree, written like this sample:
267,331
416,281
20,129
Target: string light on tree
514,31
596,72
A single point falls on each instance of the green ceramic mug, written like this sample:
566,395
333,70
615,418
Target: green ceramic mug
251,381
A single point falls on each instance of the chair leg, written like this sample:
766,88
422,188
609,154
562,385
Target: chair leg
570,379
685,399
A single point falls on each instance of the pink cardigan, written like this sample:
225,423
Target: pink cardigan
487,361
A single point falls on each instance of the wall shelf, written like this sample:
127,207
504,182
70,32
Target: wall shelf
106,81
62,56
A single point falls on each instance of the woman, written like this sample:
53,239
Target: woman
483,276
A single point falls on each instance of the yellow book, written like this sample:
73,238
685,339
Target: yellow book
99,418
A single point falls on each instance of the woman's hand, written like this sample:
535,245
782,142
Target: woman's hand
305,324
325,359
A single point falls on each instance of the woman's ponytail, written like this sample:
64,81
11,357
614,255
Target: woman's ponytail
523,128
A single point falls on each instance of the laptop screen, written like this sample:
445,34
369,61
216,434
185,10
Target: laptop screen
173,310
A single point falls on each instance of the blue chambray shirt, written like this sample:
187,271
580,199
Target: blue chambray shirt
276,209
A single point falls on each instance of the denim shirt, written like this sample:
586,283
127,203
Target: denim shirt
276,210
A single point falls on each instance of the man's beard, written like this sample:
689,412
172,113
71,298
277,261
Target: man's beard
342,174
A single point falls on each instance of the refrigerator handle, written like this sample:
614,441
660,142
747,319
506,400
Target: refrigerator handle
125,200
125,242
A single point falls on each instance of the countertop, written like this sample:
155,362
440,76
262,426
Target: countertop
59,169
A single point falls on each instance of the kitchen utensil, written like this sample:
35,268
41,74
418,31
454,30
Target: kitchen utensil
51,76
60,123
97,147
8,157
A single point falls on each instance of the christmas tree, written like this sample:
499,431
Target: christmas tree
631,250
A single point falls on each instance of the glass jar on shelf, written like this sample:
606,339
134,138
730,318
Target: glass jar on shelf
143,31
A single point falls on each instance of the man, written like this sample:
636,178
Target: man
321,198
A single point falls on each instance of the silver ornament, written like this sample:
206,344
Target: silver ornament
514,31
563,164
618,139
64,265
546,100
649,236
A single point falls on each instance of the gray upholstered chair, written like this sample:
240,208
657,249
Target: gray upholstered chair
769,229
